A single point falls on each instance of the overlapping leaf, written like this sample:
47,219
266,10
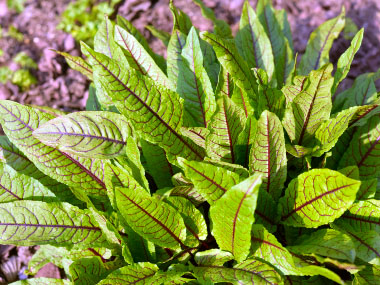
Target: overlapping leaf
86,134
232,217
42,281
226,125
264,213
176,44
345,60
234,64
37,223
88,271
19,122
364,150
193,219
152,219
320,42
364,216
154,111
213,257
77,63
139,273
209,180
317,197
310,107
138,57
282,52
370,275
253,42
15,186
367,244
268,153
326,242
251,271
193,84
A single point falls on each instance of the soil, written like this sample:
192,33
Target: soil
60,87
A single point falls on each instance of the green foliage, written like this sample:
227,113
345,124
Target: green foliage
226,163
82,18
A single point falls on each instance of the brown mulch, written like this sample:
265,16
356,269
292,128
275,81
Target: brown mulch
65,89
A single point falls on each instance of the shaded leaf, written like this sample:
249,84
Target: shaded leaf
77,63
253,42
88,271
370,275
319,44
213,257
226,125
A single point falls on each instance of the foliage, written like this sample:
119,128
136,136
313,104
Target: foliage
225,163
82,18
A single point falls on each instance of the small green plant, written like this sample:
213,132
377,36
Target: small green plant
82,18
225,163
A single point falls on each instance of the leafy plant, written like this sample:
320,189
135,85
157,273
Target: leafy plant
227,162
82,18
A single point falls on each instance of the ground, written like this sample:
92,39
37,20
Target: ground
60,87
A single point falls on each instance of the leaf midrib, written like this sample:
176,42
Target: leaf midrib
283,218
77,163
149,109
86,136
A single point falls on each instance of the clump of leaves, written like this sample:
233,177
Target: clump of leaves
227,162
82,18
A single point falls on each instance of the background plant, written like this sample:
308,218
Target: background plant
227,162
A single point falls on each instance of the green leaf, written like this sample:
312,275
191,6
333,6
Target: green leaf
138,57
291,91
194,221
181,21
88,271
268,153
36,223
57,164
154,111
193,84
362,92
364,149
226,125
310,107
213,257
245,141
92,103
232,217
345,60
157,164
319,44
221,28
253,42
251,271
225,84
15,186
151,218
160,34
210,181
329,131
367,244
197,134
266,246
235,65
174,56
126,25
77,63
326,242
86,134
370,275
264,213
13,157
367,189
363,216
282,52
317,197
138,273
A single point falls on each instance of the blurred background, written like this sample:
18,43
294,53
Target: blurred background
31,73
